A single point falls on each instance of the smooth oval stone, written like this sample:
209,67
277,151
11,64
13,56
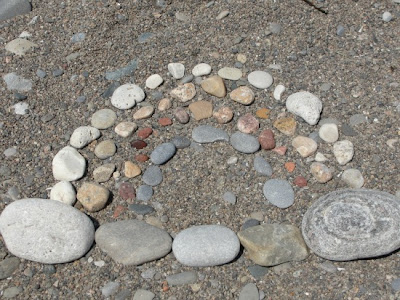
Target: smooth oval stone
144,193
103,118
46,231
64,192
162,153
152,176
133,242
201,69
138,144
262,166
244,142
68,164
206,245
279,193
83,135
208,134
127,95
352,224
230,73
153,81
260,79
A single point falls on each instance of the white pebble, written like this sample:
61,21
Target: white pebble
83,135
64,192
232,160
222,14
353,178
127,95
343,151
305,105
387,16
201,70
260,79
279,91
68,164
177,70
21,108
329,132
154,81
320,157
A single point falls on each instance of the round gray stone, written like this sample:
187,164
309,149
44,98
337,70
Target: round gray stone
162,153
229,197
46,231
260,79
249,292
279,193
181,142
182,278
352,224
208,134
12,8
152,176
262,166
144,193
244,142
103,118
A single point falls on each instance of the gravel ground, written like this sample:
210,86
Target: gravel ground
356,73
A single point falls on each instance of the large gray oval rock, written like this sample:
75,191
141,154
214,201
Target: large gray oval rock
133,242
244,142
353,223
162,153
46,231
208,134
206,245
68,164
305,105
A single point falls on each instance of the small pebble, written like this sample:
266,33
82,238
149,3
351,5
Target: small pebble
262,166
105,149
144,193
263,113
103,118
138,144
154,81
243,95
267,139
127,95
164,104
152,176
103,173
163,153
279,193
181,115
177,70
329,132
230,73
223,115
201,110
304,145
93,196
353,178
279,90
286,125
320,172
110,288
222,14
131,170
144,133
343,151
214,86
260,79
165,121
184,92
387,16
229,197
181,142
248,124
144,112
300,181
182,278
141,209
201,70
244,142
126,191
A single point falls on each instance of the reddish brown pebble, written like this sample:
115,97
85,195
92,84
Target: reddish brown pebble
165,286
144,133
138,144
248,124
118,211
126,191
300,181
267,139
290,166
165,121
280,150
181,115
141,158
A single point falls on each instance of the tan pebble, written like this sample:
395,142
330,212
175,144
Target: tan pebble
201,109
215,86
304,145
195,287
105,149
248,124
154,221
164,104
131,170
103,173
93,196
286,125
144,113
243,95
184,92
241,58
125,129
257,215
263,113
223,115
320,172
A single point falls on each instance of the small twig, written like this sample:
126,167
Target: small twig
316,7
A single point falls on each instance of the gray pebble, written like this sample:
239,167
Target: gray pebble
262,166
148,274
57,72
144,193
358,119
163,153
387,16
144,37
10,151
152,176
396,284
156,95
181,142
13,192
182,278
78,37
328,267
244,142
49,269
18,83
229,197
249,292
250,223
326,86
11,292
340,30
197,147
279,193
8,266
187,79
124,71
257,271
275,28
141,294
81,99
110,288
209,134
122,295
103,118
20,96
315,136
347,130
110,90
141,209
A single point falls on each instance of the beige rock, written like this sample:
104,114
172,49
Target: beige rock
201,109
304,145
103,173
125,129
131,170
243,95
286,125
105,149
20,46
223,115
154,221
93,196
320,172
215,86
184,92
164,104
144,112
241,58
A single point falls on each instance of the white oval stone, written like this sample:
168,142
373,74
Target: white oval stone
125,129
329,132
201,70
127,95
177,70
154,81
305,105
304,145
353,178
68,164
46,231
83,135
206,245
230,73
343,151
279,90
260,79
64,192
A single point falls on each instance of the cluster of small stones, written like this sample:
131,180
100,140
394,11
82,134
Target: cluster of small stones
134,242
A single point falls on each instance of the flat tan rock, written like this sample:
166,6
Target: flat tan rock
286,125
304,145
131,170
20,46
93,196
243,95
144,113
214,86
201,110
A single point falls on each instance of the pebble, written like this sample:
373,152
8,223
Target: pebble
182,17
188,277
64,192
243,95
181,115
214,86
304,145
320,172
320,157
144,193
262,166
18,83
126,191
208,134
93,196
83,135
110,90
103,118
223,115
163,153
249,292
347,224
110,288
184,92
141,294
12,8
177,70
305,105
105,149
20,46
133,242
186,79
201,110
278,91
164,104
229,197
124,71
286,125
273,244
144,133
41,74
127,95
300,181
201,70
181,142
279,192
222,14
68,164
205,245
347,130
260,79
144,112
152,176
340,30
165,121
290,166
329,132
358,119
125,129
250,223
141,157
24,225
258,272
21,108
10,152
396,284
267,139
57,72
244,142
131,170
387,16
103,173
141,209
230,73
8,266
248,124
12,292
78,37
343,151
353,178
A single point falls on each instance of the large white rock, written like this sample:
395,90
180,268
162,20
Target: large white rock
83,135
177,70
46,231
68,164
305,105
127,95
64,192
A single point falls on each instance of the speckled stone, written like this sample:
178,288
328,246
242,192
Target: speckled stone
201,69
286,125
144,112
103,173
305,105
83,135
320,172
223,115
267,139
177,70
279,193
93,196
181,115
184,92
127,95
343,151
248,124
353,178
353,224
